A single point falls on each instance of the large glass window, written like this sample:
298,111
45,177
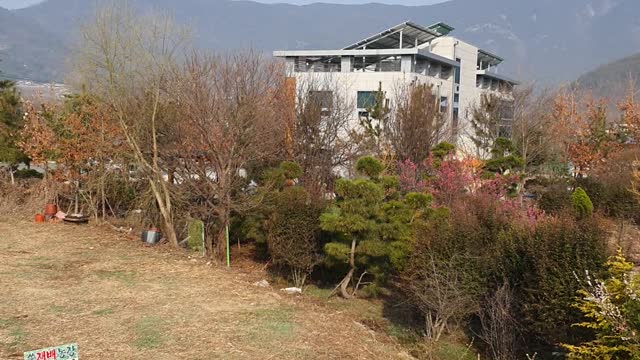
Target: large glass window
366,99
457,71
507,111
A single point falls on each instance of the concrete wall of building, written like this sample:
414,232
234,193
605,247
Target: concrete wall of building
349,84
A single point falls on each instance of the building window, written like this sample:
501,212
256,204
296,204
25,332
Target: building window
505,129
507,112
444,104
366,99
457,71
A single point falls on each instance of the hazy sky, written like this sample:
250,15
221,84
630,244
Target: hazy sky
15,4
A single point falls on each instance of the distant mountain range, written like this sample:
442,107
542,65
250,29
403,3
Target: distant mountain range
29,51
547,41
612,80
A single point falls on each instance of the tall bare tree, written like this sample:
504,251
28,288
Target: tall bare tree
531,132
321,140
126,60
489,119
498,324
416,124
229,117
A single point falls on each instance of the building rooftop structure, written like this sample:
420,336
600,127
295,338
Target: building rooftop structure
459,72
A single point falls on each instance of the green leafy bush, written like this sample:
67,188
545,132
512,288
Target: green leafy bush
294,233
462,257
540,265
290,170
287,170
503,156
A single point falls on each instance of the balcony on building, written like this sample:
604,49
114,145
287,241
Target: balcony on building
488,76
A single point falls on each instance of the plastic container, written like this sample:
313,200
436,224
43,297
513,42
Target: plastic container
51,210
151,236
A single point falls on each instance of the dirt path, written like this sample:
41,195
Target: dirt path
121,300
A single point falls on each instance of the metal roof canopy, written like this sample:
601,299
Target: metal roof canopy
411,32
489,58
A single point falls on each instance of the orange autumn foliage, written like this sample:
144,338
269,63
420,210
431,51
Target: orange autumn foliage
583,135
38,141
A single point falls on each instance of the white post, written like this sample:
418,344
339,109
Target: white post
345,64
406,63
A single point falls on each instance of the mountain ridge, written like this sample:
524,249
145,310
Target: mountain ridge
545,41
612,80
27,50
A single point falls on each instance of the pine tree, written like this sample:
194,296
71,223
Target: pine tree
371,222
504,156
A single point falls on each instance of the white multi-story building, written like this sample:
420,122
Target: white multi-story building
459,72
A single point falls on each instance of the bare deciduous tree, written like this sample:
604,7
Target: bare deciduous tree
499,327
416,124
441,290
229,117
487,122
126,60
320,137
531,132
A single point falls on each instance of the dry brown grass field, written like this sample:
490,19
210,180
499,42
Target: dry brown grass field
119,299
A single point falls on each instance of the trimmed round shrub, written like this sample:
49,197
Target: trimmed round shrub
581,203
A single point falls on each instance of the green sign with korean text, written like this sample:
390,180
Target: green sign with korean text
62,352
